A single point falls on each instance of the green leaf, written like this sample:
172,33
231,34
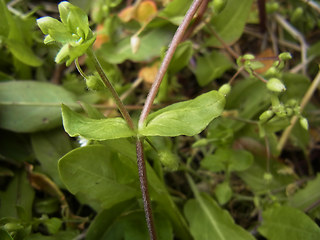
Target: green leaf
158,190
94,129
210,67
23,53
121,51
226,159
288,223
18,198
223,192
208,221
185,118
101,176
229,24
48,148
4,26
175,11
181,57
305,197
29,106
132,226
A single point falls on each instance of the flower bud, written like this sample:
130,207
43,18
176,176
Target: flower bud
219,5
135,43
267,177
304,123
169,160
95,83
275,85
285,56
225,89
266,115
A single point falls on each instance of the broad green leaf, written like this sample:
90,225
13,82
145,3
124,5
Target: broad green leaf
288,223
208,221
132,226
181,57
4,26
100,175
121,51
48,148
105,219
158,190
211,66
29,106
94,129
223,192
175,11
185,118
253,176
229,24
17,200
307,196
226,159
23,53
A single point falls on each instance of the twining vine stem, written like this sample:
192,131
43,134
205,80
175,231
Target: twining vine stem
147,107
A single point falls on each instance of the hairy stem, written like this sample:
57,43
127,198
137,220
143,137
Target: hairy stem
114,94
144,189
165,63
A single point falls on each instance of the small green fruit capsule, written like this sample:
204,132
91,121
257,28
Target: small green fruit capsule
304,123
200,143
292,103
95,83
169,160
285,56
297,14
275,85
272,71
11,227
225,89
267,177
219,5
248,56
266,115
272,7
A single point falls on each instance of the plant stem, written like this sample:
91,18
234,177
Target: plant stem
165,63
144,189
114,94
294,119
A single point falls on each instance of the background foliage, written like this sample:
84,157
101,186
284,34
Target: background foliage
232,179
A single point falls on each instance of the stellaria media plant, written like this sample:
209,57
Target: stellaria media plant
185,118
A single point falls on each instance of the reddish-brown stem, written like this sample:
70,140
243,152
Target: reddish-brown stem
144,189
165,63
202,9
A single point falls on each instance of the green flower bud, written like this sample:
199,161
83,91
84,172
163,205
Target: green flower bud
219,5
272,71
280,111
95,83
304,123
169,160
285,56
225,89
272,7
267,177
289,111
200,143
11,227
266,115
275,85
297,14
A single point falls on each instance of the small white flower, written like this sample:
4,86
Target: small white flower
83,141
